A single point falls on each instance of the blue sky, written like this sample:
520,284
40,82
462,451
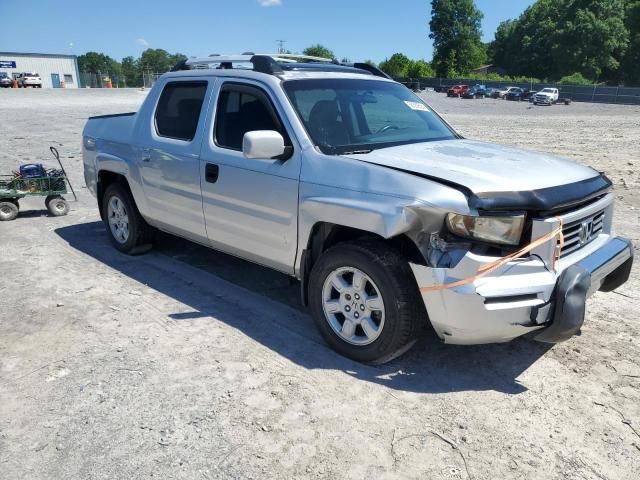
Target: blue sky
359,30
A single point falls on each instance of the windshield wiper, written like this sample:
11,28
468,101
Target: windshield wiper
357,152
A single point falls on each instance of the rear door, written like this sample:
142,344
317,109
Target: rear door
169,163
250,206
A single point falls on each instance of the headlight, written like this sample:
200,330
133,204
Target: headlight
502,230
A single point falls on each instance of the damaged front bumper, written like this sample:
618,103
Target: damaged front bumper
523,297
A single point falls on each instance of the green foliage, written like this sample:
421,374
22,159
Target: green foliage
396,66
555,38
494,77
130,72
401,66
420,69
318,51
593,37
94,62
158,60
575,79
631,60
130,69
456,34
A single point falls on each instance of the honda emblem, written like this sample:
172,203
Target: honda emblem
586,230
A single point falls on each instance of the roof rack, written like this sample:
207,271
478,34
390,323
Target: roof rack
273,63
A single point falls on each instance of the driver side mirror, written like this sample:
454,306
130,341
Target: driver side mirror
263,144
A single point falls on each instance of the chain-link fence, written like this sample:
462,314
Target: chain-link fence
577,93
111,80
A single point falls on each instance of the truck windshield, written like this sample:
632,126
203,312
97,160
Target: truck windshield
354,115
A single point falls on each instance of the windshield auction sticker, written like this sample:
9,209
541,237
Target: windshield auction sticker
416,106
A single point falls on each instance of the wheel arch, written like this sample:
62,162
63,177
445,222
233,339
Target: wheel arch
106,178
324,235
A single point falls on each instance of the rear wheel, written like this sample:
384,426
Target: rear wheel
8,210
57,205
365,301
127,230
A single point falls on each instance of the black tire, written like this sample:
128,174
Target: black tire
139,232
56,205
8,210
404,312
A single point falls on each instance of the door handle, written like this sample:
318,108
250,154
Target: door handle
211,173
146,154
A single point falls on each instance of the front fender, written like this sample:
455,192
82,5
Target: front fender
384,215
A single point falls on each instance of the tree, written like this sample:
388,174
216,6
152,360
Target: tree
501,49
593,37
396,66
556,38
420,69
158,60
319,51
631,59
94,62
130,72
455,31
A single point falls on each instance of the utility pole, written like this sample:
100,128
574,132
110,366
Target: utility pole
281,45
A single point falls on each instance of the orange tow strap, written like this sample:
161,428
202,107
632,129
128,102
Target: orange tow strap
487,268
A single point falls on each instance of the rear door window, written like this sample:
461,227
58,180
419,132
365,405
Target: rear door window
178,110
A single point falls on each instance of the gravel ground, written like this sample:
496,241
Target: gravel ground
186,363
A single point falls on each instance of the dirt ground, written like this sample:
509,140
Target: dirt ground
186,363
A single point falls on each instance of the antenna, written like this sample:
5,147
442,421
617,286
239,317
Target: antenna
281,46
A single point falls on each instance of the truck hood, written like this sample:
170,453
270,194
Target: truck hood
511,177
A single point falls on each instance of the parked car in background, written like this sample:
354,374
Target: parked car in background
546,96
518,94
477,91
507,90
457,90
388,222
499,92
29,79
489,92
5,80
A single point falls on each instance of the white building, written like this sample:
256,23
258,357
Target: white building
55,70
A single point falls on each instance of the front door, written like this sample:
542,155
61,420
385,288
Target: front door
169,163
250,206
55,80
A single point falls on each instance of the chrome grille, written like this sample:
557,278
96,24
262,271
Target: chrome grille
581,232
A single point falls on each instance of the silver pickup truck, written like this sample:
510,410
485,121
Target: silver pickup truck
346,180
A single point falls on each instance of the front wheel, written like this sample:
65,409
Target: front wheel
364,299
